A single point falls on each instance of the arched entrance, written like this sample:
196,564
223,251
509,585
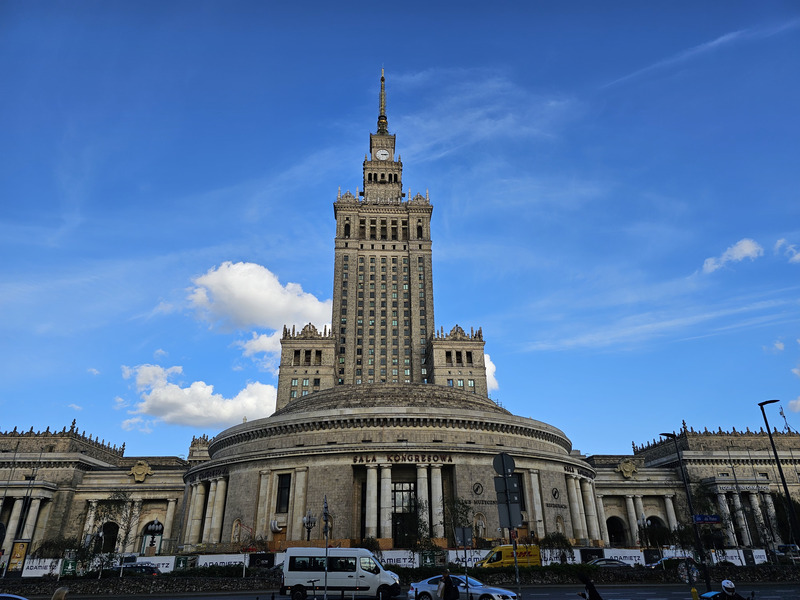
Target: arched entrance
616,531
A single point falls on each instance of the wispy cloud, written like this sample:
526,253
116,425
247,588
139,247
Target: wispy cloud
788,250
744,248
727,39
681,322
489,106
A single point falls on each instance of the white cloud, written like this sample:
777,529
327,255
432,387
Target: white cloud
267,344
789,250
491,369
160,353
779,345
93,371
794,405
75,407
796,370
196,404
249,295
744,248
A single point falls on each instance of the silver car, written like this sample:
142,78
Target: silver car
426,590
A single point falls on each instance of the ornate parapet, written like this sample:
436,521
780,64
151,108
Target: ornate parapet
66,440
457,334
309,332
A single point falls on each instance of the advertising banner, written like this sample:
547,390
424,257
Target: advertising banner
220,560
39,567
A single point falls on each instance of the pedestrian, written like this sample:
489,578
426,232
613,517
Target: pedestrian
60,593
446,589
589,591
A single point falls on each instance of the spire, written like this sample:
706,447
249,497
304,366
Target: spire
382,122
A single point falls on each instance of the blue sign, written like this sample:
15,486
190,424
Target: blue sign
707,519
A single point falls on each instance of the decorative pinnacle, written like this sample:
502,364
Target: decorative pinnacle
383,124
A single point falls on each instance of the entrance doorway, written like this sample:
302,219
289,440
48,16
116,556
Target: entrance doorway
405,523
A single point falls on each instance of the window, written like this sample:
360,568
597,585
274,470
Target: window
294,382
305,382
449,383
284,486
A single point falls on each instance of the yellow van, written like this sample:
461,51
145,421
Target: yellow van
503,556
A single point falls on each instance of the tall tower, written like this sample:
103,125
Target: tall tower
382,326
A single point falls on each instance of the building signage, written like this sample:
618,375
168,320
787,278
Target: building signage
220,560
743,487
579,471
403,458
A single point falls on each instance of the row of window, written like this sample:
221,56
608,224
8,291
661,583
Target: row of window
460,383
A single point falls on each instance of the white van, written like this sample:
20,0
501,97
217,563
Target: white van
355,571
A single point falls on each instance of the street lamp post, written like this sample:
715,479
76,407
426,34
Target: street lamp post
309,521
698,544
790,505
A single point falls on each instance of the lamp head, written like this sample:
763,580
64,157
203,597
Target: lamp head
671,436
765,402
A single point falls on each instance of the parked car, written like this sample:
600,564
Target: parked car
670,562
426,590
607,562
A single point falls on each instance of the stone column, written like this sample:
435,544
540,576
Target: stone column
190,513
209,515
88,527
219,510
725,513
590,510
41,525
423,499
11,526
574,507
741,520
133,529
757,517
672,520
538,513
262,518
576,481
601,517
197,513
640,516
169,522
300,504
437,500
634,537
773,517
30,519
386,501
371,529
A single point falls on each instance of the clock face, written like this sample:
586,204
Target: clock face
382,154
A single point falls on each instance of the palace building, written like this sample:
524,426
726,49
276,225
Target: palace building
390,420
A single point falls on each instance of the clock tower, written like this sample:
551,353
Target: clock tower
383,172
382,327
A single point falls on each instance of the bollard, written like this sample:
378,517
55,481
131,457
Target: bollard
694,594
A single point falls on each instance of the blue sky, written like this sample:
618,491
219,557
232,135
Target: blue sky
615,190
